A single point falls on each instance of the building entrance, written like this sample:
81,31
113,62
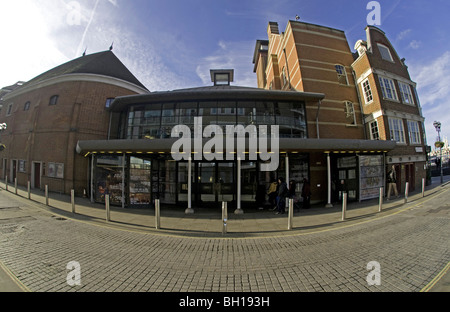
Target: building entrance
215,182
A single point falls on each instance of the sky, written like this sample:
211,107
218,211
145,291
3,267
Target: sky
173,44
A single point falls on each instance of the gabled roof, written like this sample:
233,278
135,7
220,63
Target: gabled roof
103,63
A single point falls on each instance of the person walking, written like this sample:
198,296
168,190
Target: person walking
282,194
392,182
273,193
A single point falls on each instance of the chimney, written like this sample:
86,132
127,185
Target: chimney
273,29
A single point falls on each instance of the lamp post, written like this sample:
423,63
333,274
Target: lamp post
3,126
437,125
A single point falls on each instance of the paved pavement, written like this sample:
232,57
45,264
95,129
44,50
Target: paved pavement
407,242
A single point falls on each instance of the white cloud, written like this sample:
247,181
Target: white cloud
403,34
415,44
235,55
433,87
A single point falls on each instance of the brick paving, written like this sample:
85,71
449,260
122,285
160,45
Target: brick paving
410,243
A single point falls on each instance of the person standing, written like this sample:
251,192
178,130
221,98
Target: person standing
273,193
392,182
282,194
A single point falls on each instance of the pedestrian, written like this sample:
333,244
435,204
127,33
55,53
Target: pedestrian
392,182
306,194
291,193
283,192
273,193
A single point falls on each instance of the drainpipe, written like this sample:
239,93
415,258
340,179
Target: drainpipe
317,119
287,69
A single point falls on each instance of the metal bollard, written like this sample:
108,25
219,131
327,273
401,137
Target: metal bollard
29,189
157,214
108,212
224,217
6,182
72,200
380,205
15,185
344,205
291,213
406,192
423,187
46,195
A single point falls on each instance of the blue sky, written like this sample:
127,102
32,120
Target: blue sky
172,44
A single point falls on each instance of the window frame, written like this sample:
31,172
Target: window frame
372,132
400,131
343,74
412,133
365,91
53,100
406,87
392,89
350,111
380,48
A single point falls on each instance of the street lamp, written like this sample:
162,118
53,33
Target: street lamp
437,125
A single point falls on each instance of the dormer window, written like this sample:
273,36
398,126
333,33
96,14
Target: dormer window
222,77
385,52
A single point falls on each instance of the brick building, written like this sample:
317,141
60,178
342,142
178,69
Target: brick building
47,115
313,58
391,106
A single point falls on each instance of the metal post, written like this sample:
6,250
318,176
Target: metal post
329,204
29,189
287,177
239,210
15,185
344,205
380,205
157,214
224,217
189,209
6,182
108,213
406,192
46,195
423,187
291,213
92,178
72,200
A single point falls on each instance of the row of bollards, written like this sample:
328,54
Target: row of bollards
224,204
381,196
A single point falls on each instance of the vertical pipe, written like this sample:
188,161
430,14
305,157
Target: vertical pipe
287,175
6,182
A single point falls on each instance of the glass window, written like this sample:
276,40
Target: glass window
27,106
388,88
414,134
385,53
350,113
9,111
53,100
405,92
341,74
396,130
374,134
368,96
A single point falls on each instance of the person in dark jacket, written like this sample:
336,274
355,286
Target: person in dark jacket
283,192
306,194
